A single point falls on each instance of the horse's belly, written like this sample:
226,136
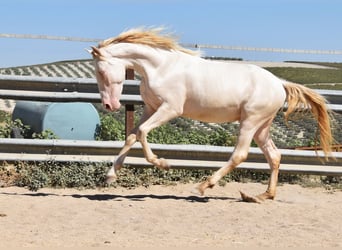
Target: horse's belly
214,115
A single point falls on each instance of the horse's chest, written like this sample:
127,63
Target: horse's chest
149,97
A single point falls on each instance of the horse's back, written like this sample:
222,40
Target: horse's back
237,83
220,91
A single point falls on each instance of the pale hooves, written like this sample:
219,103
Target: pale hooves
247,198
163,164
110,179
198,190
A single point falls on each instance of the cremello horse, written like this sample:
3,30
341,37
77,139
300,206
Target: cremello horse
177,82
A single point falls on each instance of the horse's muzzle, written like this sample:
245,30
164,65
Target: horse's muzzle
111,105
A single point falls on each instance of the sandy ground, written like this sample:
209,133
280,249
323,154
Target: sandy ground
170,216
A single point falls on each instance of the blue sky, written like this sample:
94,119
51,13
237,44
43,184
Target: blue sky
295,24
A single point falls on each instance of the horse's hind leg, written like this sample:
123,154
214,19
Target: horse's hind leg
272,154
247,131
273,157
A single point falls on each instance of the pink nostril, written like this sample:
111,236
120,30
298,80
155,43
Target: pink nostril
108,107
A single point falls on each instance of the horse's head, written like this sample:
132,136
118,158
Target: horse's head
110,74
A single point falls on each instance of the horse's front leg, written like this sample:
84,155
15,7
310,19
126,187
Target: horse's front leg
111,174
131,139
163,114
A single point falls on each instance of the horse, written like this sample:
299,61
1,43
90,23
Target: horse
177,82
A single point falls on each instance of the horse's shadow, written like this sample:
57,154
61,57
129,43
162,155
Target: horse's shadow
143,197
131,197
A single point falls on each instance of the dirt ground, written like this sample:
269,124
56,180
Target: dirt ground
170,216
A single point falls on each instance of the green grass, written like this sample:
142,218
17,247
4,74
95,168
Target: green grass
309,76
327,64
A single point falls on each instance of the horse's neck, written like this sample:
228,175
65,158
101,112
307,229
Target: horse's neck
143,59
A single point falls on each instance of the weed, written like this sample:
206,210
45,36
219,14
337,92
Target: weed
9,127
89,175
59,175
45,134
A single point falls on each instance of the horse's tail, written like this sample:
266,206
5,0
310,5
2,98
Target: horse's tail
299,97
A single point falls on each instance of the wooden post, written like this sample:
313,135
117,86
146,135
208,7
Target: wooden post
129,108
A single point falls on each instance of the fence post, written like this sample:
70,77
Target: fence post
129,108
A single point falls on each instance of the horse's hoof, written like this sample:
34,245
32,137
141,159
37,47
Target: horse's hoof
198,190
110,179
163,164
247,198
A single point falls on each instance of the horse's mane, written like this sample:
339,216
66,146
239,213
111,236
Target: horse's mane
150,37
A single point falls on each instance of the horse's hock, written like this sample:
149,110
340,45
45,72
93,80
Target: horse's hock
76,121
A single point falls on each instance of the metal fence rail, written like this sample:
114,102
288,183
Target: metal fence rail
60,84
63,96
88,85
182,156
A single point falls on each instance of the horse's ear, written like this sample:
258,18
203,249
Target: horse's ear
95,52
89,51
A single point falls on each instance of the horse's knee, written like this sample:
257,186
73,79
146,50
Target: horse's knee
239,157
131,139
141,133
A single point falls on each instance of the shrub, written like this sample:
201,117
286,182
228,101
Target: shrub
63,175
8,127
112,128
16,128
90,175
45,134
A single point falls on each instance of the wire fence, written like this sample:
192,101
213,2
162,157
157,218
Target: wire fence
188,45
